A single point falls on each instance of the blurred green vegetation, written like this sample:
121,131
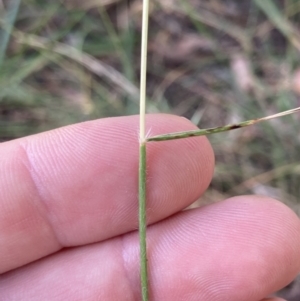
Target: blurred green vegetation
214,62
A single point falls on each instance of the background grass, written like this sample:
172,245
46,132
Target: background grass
214,62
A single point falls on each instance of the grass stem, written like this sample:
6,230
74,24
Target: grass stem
142,159
143,78
142,223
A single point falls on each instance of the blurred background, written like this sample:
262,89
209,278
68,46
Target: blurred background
212,61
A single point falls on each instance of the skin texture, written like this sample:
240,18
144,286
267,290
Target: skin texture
68,220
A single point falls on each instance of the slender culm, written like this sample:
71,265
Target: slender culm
142,222
142,158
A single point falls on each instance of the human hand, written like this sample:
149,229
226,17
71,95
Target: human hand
68,220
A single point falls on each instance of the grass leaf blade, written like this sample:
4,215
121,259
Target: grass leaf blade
7,27
215,130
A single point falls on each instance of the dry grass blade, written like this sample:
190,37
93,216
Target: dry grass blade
209,131
99,68
89,3
266,177
217,22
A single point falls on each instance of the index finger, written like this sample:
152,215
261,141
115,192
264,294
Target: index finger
78,185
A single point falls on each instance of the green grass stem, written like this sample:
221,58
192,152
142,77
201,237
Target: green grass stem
143,223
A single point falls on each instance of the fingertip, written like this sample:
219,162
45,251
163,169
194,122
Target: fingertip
249,244
83,178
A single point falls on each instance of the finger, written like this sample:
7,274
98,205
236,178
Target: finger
78,184
274,299
242,249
